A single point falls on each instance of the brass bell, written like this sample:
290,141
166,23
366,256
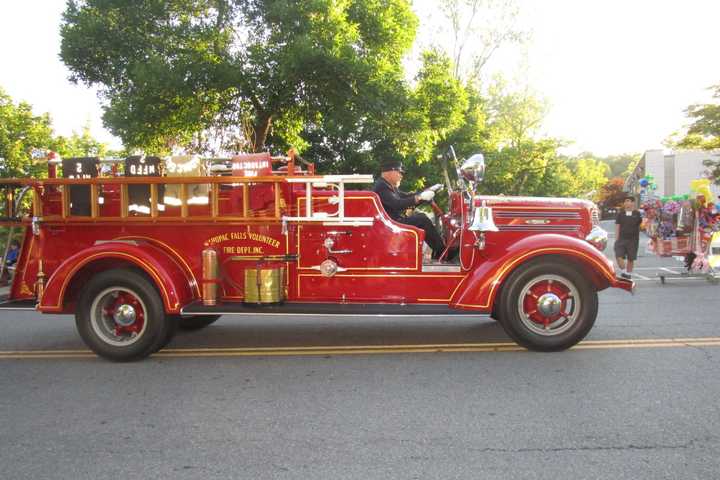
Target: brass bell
483,220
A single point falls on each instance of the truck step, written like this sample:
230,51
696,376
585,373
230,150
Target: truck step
298,308
28,304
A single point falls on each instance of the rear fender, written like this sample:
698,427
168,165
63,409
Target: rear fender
479,290
174,284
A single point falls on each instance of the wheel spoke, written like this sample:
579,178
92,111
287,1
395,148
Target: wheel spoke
118,316
548,304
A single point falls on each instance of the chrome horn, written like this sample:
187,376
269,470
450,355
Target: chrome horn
483,220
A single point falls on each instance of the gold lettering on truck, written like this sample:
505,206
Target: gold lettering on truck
241,249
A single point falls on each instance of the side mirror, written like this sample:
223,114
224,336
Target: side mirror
473,169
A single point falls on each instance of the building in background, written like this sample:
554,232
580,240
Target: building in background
672,171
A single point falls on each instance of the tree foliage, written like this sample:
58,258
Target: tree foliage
25,135
80,145
617,165
704,132
612,193
589,175
168,70
21,131
322,75
479,29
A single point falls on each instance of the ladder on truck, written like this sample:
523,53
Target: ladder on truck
336,183
12,194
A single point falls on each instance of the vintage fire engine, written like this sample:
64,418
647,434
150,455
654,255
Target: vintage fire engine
178,242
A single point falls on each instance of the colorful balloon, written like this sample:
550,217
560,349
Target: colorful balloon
701,186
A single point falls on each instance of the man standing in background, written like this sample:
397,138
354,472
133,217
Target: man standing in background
627,236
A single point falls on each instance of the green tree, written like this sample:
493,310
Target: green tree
439,107
518,162
589,175
22,132
514,116
530,167
81,145
704,132
612,193
168,70
414,120
618,165
479,29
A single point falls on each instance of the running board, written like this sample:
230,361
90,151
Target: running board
28,304
341,309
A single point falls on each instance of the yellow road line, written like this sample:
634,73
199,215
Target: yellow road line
373,349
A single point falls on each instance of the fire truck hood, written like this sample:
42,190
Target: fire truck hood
500,200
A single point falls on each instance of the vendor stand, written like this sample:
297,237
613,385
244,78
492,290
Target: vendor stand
685,228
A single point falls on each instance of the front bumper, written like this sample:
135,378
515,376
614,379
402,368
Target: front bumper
627,285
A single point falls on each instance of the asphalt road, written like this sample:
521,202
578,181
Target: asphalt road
336,398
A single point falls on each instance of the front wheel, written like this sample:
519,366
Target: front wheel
120,316
548,306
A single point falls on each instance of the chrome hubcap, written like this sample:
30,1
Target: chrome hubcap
124,315
549,304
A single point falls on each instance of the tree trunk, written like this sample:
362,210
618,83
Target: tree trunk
260,131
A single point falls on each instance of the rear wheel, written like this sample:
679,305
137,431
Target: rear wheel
548,306
120,316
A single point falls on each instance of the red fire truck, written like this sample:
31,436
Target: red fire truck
136,252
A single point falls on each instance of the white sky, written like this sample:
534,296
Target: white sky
617,74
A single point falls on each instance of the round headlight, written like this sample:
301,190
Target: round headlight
473,169
597,238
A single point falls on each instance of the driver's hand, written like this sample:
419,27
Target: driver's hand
427,195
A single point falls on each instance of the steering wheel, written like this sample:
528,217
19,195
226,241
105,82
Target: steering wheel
438,221
446,225
442,219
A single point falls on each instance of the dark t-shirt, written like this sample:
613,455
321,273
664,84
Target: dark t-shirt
629,224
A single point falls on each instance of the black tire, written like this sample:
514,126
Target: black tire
138,325
547,306
196,322
172,327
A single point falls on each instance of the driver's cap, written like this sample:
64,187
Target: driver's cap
392,165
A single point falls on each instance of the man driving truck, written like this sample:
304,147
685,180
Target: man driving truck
396,202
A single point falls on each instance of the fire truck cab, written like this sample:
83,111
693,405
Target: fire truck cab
178,242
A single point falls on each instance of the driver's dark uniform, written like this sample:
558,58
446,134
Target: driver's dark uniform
396,202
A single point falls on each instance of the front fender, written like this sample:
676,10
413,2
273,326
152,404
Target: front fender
173,283
479,289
